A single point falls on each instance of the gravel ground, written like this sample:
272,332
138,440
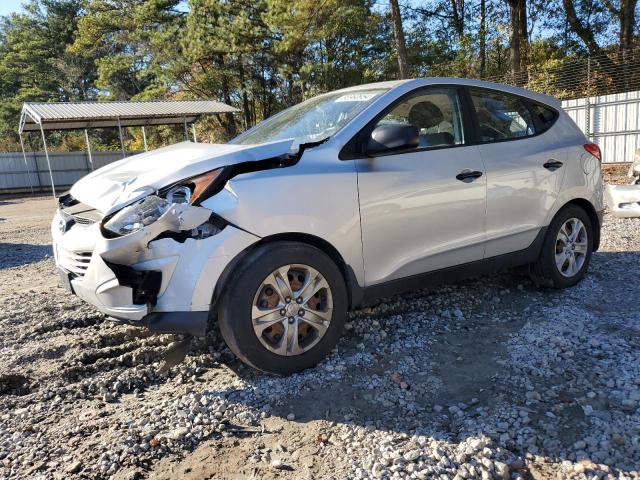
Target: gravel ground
488,378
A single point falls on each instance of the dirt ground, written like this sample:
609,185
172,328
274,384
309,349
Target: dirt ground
488,378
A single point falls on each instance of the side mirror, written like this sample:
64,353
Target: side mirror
392,137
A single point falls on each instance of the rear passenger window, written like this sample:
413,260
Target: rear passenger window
501,116
544,115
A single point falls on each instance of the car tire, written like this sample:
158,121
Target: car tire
257,287
557,267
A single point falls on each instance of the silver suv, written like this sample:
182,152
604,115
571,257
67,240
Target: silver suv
349,196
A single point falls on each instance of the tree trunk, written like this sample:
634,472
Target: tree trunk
401,48
290,93
585,33
519,41
483,38
523,33
626,17
457,13
245,99
627,22
229,121
263,87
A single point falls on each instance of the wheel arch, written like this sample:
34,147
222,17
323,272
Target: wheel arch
588,207
354,290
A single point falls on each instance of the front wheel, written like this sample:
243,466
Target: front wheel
284,307
566,250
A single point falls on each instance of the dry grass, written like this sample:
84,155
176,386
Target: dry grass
615,173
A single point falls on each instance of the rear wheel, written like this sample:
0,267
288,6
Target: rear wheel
284,308
566,251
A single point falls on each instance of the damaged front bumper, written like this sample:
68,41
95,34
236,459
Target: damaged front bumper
623,200
161,276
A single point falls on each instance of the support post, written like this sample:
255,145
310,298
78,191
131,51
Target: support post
186,132
46,153
86,137
588,119
144,139
121,140
193,129
35,162
588,104
26,164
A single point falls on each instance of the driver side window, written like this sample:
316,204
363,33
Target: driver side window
436,114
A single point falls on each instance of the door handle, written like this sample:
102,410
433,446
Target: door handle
468,176
552,165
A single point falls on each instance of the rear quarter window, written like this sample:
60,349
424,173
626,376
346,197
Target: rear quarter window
502,116
544,116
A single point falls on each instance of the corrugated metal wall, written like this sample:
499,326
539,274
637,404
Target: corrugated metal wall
67,169
611,121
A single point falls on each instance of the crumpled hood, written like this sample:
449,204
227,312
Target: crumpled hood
123,182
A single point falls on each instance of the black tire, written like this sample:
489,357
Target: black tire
544,271
234,307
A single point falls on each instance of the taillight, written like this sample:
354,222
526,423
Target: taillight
594,150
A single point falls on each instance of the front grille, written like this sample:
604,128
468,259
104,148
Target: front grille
74,262
83,220
80,214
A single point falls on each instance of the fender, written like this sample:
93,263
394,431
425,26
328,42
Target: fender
297,199
583,185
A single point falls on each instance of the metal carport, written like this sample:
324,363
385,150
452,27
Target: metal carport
85,115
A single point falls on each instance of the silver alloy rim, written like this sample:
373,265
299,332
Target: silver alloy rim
292,309
571,247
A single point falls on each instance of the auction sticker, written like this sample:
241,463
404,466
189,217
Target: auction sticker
356,97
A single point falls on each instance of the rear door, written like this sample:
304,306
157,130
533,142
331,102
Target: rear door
423,209
525,166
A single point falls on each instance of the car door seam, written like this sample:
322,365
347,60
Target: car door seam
364,269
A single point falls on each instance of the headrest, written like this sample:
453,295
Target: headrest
425,115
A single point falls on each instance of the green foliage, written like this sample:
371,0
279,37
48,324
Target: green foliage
129,41
34,63
263,55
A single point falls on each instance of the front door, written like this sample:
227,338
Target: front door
424,209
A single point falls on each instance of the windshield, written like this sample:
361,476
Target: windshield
312,120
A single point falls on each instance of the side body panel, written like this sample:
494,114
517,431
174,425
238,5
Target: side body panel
582,180
416,216
583,175
318,196
520,191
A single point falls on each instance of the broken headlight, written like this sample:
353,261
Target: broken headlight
179,194
137,216
192,190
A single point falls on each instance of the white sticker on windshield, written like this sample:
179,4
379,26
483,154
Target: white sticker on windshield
355,97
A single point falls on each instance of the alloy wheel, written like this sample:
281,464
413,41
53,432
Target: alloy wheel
292,309
571,247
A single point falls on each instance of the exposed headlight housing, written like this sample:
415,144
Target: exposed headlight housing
204,185
192,190
179,194
138,215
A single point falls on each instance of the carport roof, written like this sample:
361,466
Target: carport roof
80,115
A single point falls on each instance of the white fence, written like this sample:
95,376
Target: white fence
611,121
67,168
